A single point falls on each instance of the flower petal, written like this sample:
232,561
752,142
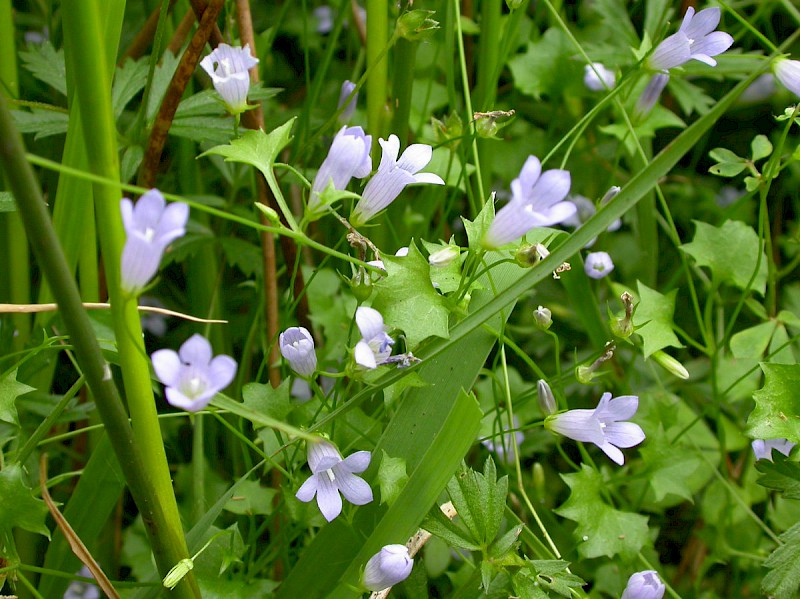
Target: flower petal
579,425
552,187
624,434
167,366
319,453
328,498
428,178
196,350
357,462
354,488
364,356
619,408
711,45
308,489
612,452
177,399
370,322
221,371
415,158
700,24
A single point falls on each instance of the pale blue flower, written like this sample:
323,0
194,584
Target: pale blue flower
392,176
324,16
788,73
150,226
331,475
694,40
536,201
602,426
79,589
347,89
229,68
392,564
297,346
585,209
650,95
597,77
763,448
598,265
192,377
375,346
644,585
348,157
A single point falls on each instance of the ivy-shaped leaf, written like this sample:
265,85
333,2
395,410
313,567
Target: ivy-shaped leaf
10,389
256,148
653,319
782,474
669,467
777,411
18,509
547,65
602,529
783,578
392,477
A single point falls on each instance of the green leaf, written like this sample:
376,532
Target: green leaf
7,203
777,411
691,97
256,148
669,467
258,418
251,498
129,80
725,155
782,474
392,477
264,399
731,252
752,183
44,123
783,578
407,300
546,66
659,118
10,389
653,319
447,277
161,80
753,342
47,65
761,147
477,228
526,587
602,529
480,500
455,534
727,169
19,508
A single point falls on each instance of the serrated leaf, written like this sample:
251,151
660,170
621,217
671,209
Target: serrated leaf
251,498
264,399
256,148
452,533
525,587
18,506
777,411
669,467
10,389
653,319
691,97
731,252
602,529
129,80
392,477
477,228
244,255
43,123
781,474
47,65
783,578
761,147
546,66
407,300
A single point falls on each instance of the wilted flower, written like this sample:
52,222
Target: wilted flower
602,426
375,346
598,265
332,475
763,448
150,226
347,158
392,177
502,445
392,564
650,95
347,88
788,73
536,201
297,346
79,589
644,585
228,68
192,377
597,77
695,39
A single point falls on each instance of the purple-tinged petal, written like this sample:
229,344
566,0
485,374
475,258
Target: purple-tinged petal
672,52
308,489
612,452
511,222
347,88
369,322
700,24
788,73
178,400
390,565
428,178
221,371
167,366
354,488
619,408
644,585
297,346
598,265
328,498
763,448
196,350
390,148
552,187
357,462
364,356
415,158
529,173
711,45
624,434
579,425
321,451
228,68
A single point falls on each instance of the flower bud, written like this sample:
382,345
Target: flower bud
444,256
644,585
416,24
176,574
543,318
361,284
670,364
390,565
547,403
623,327
297,346
530,255
270,213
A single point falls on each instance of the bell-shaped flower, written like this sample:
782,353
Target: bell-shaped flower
598,265
347,158
392,176
536,201
763,448
192,376
375,346
150,226
297,346
788,73
596,77
694,40
228,68
602,426
392,564
650,95
331,475
644,585
347,88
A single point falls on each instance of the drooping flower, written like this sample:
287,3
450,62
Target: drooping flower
150,226
375,346
347,158
191,376
597,77
392,176
650,95
598,265
392,564
228,68
644,585
602,426
297,346
536,201
763,448
347,89
694,40
331,475
585,209
788,73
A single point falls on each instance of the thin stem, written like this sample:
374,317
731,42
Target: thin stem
378,81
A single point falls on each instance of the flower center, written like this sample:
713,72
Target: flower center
194,386
331,475
149,233
227,68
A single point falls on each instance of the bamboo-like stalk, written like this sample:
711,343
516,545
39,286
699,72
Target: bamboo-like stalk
87,60
378,81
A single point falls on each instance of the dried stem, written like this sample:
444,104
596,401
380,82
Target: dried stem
144,38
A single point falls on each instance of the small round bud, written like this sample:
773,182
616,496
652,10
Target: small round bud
530,255
361,284
543,318
390,565
444,256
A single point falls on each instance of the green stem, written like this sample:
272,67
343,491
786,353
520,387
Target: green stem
405,58
378,82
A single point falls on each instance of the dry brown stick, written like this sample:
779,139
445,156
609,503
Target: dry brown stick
142,41
185,70
215,37
182,32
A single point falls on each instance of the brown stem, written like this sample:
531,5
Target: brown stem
215,37
182,32
143,39
185,70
